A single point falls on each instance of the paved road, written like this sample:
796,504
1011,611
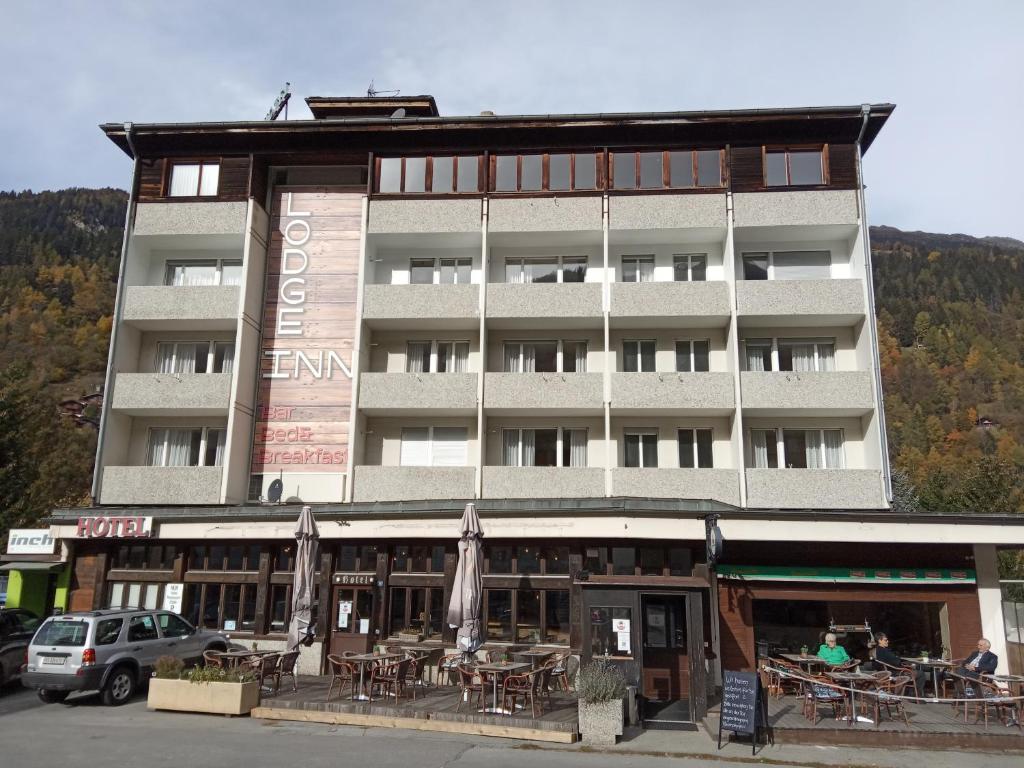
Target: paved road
83,732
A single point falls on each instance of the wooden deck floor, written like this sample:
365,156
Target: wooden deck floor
434,709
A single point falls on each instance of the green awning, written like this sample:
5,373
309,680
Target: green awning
919,576
31,566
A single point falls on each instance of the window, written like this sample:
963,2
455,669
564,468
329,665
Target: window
108,630
790,354
547,269
137,557
239,608
798,448
433,447
527,616
194,179
447,271
185,447
437,175
794,167
624,560
545,357
758,354
141,628
419,558
693,355
638,356
640,449
228,607
695,449
637,269
437,357
195,357
207,272
672,169
133,595
173,626
280,607
690,267
420,609
356,619
555,447
559,172
787,265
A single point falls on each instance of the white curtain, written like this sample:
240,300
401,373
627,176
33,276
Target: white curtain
510,448
449,448
812,449
512,358
165,358
218,436
759,445
514,272
415,451
827,357
646,270
529,358
211,175
184,180
803,357
186,359
419,358
228,360
529,448
178,449
834,458
461,360
577,447
155,457
581,357
755,357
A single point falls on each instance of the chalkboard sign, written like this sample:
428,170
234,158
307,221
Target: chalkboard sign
743,705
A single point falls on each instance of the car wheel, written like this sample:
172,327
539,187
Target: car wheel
120,687
52,697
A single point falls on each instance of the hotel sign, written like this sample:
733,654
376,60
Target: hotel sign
114,527
309,323
30,541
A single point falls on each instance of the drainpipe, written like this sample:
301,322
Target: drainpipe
865,112
108,382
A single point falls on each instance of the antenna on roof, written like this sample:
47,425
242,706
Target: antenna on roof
371,91
280,103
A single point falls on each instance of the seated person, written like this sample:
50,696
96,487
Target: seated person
883,653
831,653
980,661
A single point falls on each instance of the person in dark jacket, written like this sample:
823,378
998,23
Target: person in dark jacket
981,661
887,656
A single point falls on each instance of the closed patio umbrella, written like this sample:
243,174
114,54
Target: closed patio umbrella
306,538
467,593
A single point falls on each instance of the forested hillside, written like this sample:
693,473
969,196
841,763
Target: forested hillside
951,325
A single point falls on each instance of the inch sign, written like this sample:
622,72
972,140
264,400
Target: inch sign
115,527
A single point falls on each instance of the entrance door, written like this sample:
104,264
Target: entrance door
351,617
665,681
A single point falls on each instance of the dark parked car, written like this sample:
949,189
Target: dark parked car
16,629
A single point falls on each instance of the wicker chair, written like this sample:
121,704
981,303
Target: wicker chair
889,694
903,670
470,682
286,668
779,683
986,695
265,667
213,659
342,673
446,672
565,668
390,678
522,686
821,690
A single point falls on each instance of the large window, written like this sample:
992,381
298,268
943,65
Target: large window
637,269
527,616
640,449
530,559
144,557
794,167
204,272
185,447
122,594
440,271
693,355
417,609
224,557
690,267
545,357
194,179
195,357
433,175
797,448
433,447
437,357
790,354
555,172
638,355
650,560
227,607
546,269
787,265
555,447
681,169
695,448
418,558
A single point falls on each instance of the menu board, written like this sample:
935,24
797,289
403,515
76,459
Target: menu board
739,701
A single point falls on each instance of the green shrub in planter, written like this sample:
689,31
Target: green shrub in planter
168,668
218,675
600,681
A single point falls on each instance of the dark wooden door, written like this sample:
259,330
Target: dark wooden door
665,639
352,619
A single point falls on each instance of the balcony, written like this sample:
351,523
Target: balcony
815,489
374,483
181,308
543,482
423,216
541,305
674,483
161,485
793,303
192,218
712,394
183,394
703,216
700,304
427,307
830,213
568,394
806,393
544,214
408,394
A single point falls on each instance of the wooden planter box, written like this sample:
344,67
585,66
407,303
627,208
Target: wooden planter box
600,724
209,698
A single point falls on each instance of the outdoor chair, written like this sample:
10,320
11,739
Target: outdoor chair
947,683
889,694
518,687
849,666
965,689
821,691
414,676
495,655
390,678
544,675
784,683
265,668
994,697
904,669
286,668
564,671
470,683
342,673
446,669
213,659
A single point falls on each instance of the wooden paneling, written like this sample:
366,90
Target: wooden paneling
746,173
151,179
88,582
234,178
842,163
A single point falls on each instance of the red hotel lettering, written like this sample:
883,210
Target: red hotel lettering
290,435
111,527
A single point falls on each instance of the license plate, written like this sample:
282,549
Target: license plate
57,661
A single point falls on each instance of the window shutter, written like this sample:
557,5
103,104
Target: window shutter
449,447
415,447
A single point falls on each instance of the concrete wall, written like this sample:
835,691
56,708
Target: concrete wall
675,483
797,208
530,482
421,302
178,393
391,483
386,391
672,301
544,301
213,307
669,391
161,485
815,488
806,390
667,211
544,214
401,216
795,298
544,391
207,217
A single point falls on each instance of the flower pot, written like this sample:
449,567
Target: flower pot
601,723
208,698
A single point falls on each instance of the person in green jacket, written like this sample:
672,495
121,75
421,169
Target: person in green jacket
832,654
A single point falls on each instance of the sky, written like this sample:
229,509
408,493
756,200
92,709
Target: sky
945,162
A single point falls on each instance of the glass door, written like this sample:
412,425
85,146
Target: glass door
351,619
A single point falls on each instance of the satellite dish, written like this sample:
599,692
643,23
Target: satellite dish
275,491
400,112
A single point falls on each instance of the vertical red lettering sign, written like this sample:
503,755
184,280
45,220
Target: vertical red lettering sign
309,323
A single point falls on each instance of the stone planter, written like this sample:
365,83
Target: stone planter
208,698
600,724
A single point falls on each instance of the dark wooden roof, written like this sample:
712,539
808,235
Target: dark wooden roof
370,106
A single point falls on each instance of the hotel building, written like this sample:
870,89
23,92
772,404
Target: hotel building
612,332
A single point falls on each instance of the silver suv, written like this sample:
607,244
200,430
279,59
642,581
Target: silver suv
109,651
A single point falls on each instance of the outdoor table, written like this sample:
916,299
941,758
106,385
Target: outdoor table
1014,683
934,665
363,660
806,662
234,658
534,658
497,671
854,678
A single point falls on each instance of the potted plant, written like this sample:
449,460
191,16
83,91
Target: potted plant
409,635
209,690
803,650
600,688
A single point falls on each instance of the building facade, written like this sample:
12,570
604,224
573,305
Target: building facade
609,331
